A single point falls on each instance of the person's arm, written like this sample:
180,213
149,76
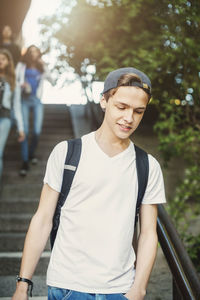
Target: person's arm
36,239
146,251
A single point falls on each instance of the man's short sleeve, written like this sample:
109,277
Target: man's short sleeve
155,191
55,166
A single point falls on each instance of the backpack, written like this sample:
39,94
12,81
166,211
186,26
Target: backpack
71,164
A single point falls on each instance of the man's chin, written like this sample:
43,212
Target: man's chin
124,135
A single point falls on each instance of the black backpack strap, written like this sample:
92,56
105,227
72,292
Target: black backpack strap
70,167
142,166
71,164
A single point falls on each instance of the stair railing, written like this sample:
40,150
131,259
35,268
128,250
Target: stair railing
186,282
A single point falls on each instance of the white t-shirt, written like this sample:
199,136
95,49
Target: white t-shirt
93,250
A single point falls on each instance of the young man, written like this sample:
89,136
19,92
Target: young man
93,257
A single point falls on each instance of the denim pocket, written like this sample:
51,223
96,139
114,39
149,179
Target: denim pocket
123,296
55,293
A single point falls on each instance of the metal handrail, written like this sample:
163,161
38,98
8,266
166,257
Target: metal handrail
180,264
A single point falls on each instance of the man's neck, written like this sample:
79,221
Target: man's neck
109,143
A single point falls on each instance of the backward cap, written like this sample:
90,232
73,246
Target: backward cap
111,80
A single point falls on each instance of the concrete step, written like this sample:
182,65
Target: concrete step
21,195
13,177
41,149
41,154
48,135
14,222
10,263
13,162
22,189
18,207
11,242
49,126
14,242
18,199
8,284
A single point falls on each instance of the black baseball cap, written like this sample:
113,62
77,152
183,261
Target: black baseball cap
111,80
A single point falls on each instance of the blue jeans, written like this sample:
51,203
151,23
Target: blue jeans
32,103
63,294
5,124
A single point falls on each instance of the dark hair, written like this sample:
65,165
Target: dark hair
1,35
10,69
27,59
124,80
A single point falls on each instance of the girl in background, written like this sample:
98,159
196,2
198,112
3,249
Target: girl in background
8,43
10,97
30,74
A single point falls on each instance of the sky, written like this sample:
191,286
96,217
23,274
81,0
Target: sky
38,9
69,94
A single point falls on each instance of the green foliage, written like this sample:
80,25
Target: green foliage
184,205
178,132
184,208
193,248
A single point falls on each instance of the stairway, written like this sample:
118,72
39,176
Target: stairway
19,199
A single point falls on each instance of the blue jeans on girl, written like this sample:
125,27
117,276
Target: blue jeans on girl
31,103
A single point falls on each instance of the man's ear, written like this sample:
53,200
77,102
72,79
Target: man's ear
103,103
